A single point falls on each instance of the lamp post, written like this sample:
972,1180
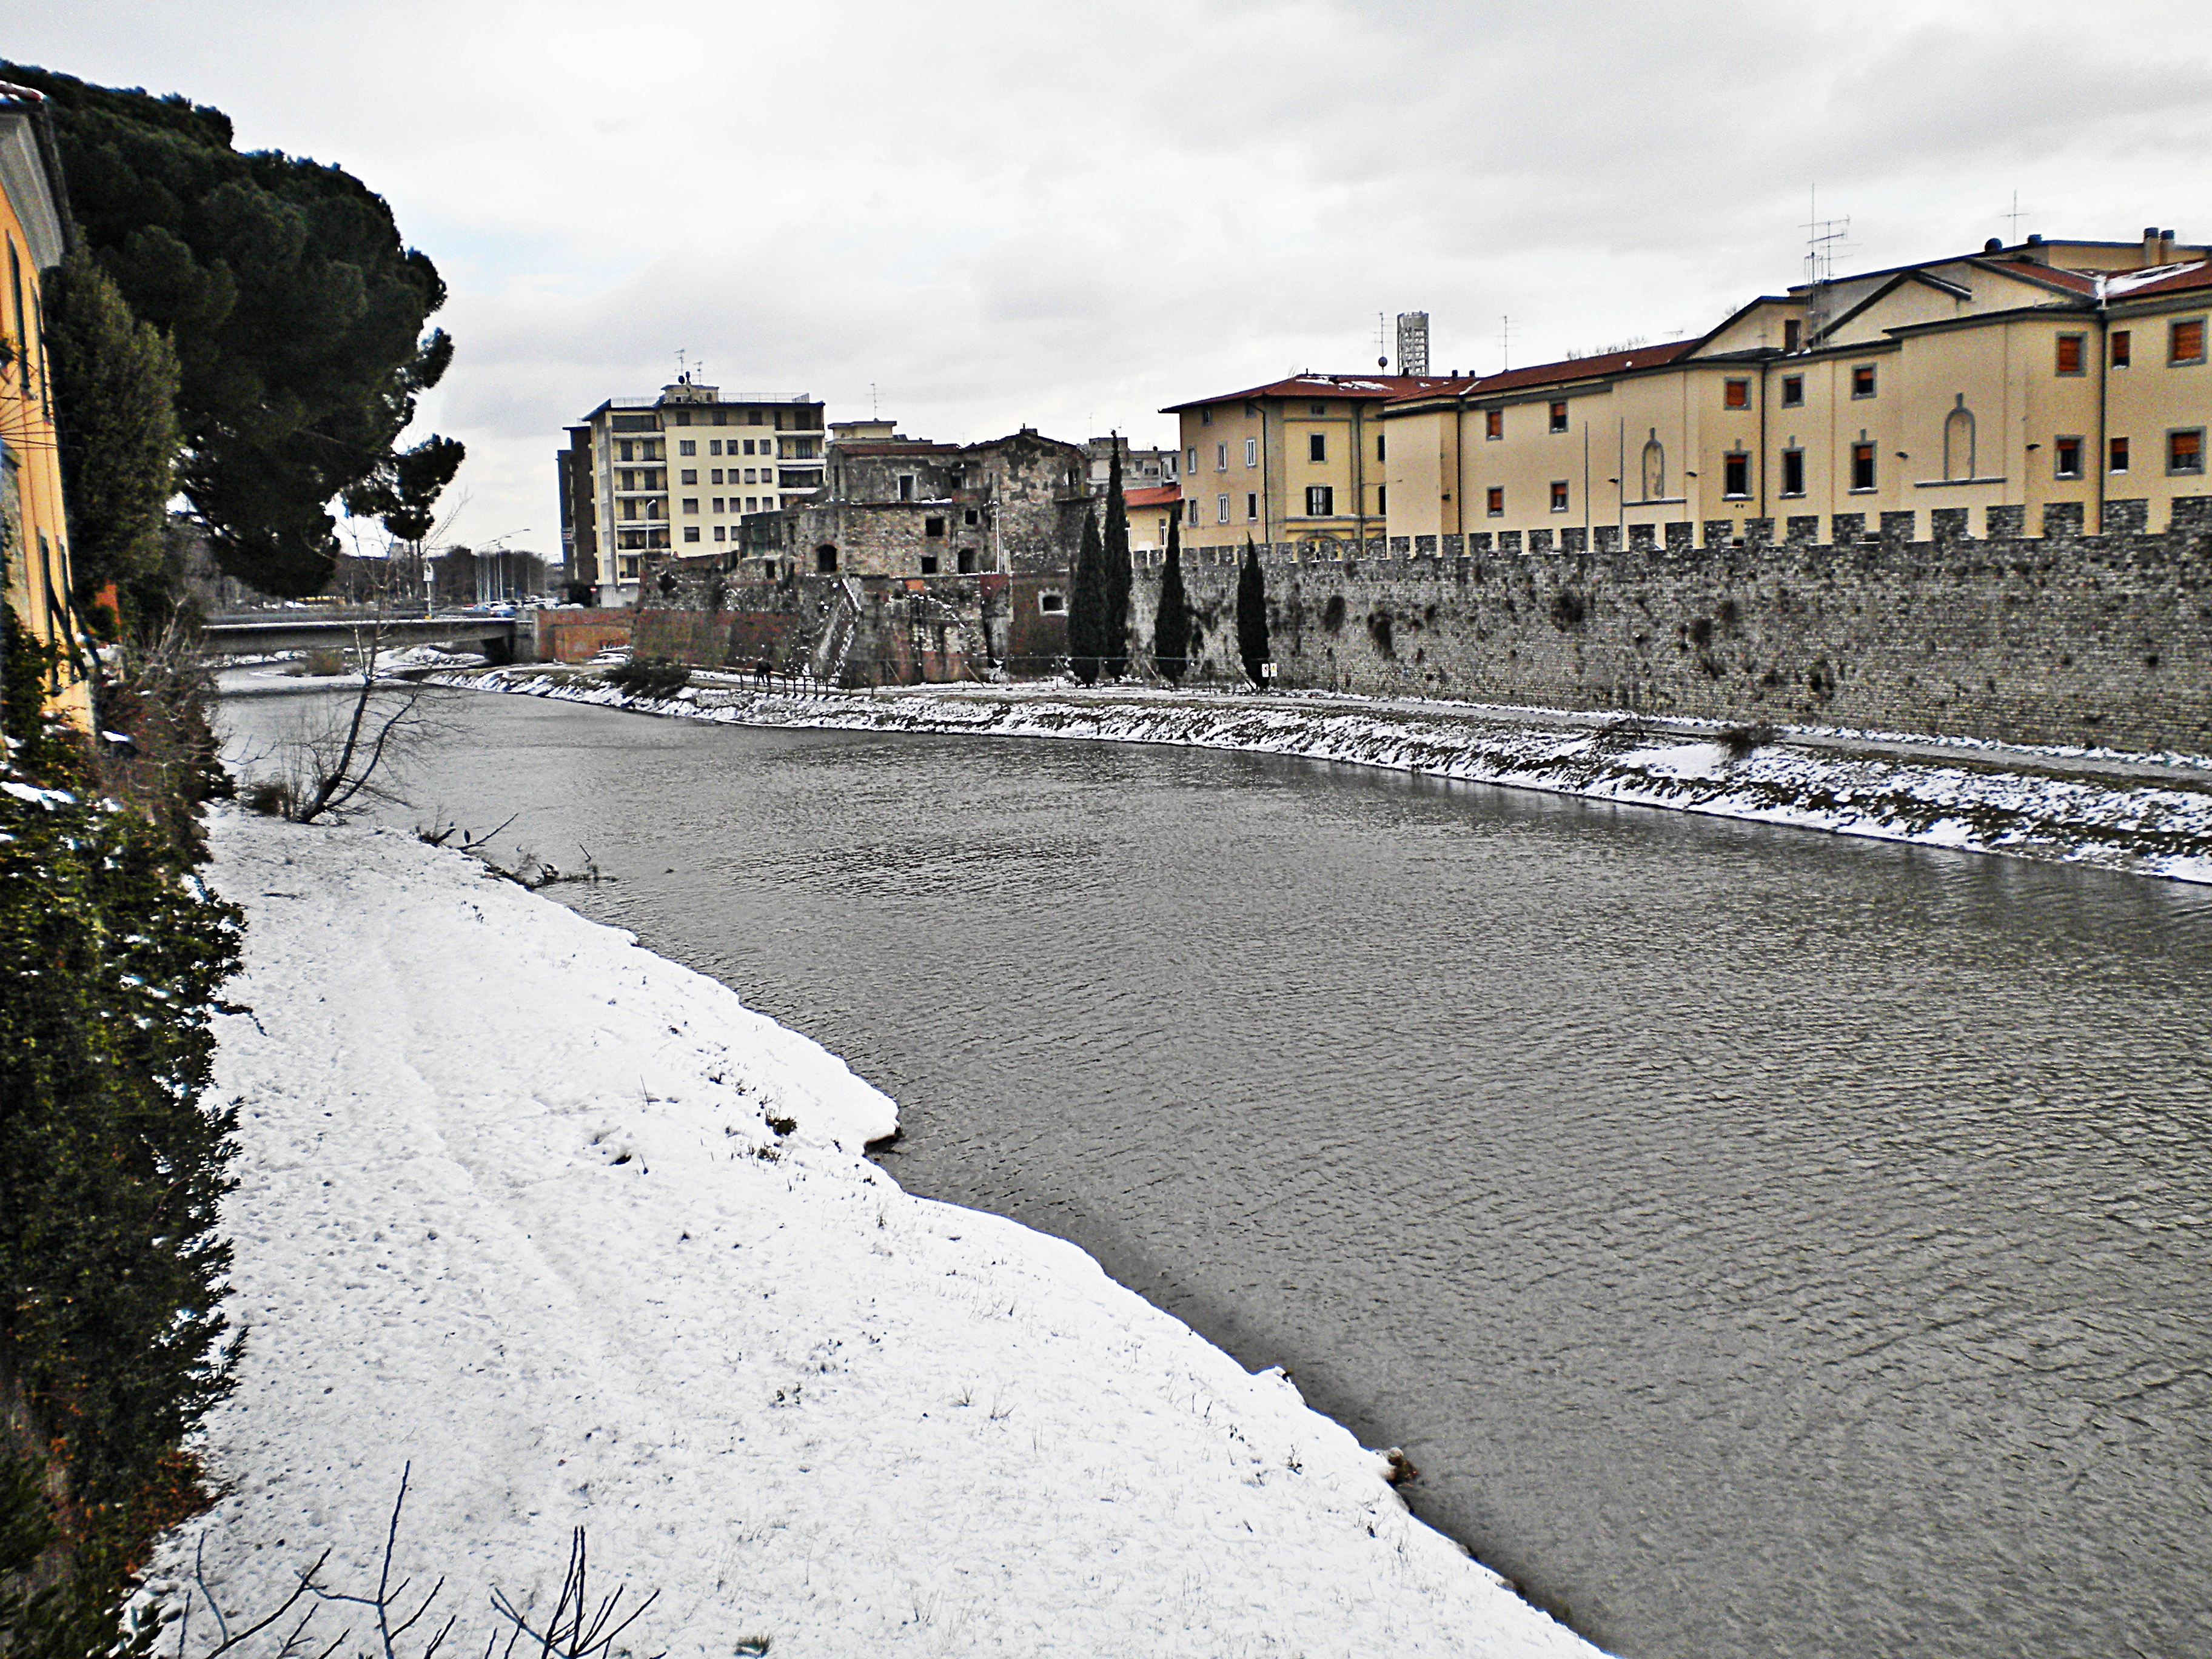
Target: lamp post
497,549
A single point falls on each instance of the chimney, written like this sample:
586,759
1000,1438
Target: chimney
2151,249
2165,247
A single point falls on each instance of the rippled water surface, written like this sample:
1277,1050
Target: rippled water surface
1764,1243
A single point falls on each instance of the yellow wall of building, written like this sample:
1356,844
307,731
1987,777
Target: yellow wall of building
38,566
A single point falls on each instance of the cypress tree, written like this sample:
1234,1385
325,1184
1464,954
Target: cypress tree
1252,614
1113,631
1172,621
1086,604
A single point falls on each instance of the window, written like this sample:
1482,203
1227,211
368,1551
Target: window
1494,501
968,515
2071,354
1252,507
714,446
1558,494
929,564
1251,452
1221,509
679,417
1378,446
905,487
690,476
967,561
1863,380
2066,453
1382,501
716,476
2119,458
1221,457
2123,347
1559,417
714,505
2184,450
749,445
1863,466
1320,501
2185,342
1493,423
689,447
752,418
1317,447
690,533
623,450
1736,476
1205,418
1317,409
752,475
1735,394
1793,471
825,558
690,503
1194,459
932,526
1193,512
1052,603
1793,334
721,533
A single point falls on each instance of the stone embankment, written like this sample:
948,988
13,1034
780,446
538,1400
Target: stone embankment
2147,814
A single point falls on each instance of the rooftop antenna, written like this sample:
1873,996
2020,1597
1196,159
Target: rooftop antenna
680,370
2013,218
1823,237
1382,341
1504,343
873,413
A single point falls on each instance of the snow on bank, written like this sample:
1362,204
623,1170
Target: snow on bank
2016,802
514,1204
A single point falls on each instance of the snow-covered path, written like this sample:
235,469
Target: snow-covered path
512,1207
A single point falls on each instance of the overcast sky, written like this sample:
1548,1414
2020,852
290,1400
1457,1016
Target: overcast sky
985,215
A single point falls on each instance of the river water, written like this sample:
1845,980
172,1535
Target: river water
1764,1243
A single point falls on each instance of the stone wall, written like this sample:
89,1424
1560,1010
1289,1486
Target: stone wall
2063,638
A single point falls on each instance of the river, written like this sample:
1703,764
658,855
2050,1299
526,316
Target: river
1763,1242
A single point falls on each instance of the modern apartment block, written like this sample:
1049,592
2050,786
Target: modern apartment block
1294,459
677,473
2057,383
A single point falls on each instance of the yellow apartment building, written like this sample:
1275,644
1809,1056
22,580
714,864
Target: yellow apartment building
678,473
34,225
1299,458
2051,386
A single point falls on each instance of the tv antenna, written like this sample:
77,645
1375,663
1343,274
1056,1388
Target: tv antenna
1505,344
1823,237
873,413
2012,217
1382,341
681,369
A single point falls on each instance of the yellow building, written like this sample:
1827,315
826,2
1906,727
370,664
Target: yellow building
2041,388
1300,458
35,224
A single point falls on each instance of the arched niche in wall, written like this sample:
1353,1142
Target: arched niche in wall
1655,467
1959,440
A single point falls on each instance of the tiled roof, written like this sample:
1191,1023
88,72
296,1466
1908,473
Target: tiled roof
2124,285
1559,374
1160,495
1370,388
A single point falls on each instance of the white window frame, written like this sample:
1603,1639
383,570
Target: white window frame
1251,452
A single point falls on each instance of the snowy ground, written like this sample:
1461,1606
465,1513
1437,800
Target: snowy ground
513,1206
2068,805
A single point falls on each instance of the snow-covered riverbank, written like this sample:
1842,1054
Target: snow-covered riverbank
590,1244
1977,797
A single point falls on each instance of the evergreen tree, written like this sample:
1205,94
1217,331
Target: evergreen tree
1086,604
1252,614
295,311
1113,632
115,394
1172,621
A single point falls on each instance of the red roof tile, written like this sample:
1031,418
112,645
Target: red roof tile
1369,387
1155,495
2198,274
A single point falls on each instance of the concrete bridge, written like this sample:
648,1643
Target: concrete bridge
499,639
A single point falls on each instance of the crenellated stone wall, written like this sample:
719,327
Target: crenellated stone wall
2063,638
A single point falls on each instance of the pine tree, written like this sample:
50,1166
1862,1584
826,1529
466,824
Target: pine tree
1086,604
1172,621
1252,614
1113,632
